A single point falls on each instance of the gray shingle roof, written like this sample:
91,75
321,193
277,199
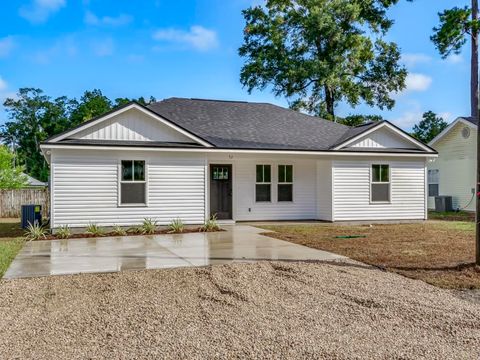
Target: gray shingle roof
230,124
473,120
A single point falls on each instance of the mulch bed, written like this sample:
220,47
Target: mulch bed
113,234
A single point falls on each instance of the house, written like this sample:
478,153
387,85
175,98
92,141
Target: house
190,158
34,183
453,173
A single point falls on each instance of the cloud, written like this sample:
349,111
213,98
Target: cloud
38,11
3,84
417,82
103,47
6,46
454,59
198,37
61,48
411,60
92,19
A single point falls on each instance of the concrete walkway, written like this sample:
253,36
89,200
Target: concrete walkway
240,243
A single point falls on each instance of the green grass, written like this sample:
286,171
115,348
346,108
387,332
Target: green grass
8,250
451,215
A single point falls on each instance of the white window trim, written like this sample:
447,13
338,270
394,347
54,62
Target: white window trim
381,182
286,183
433,183
120,182
263,183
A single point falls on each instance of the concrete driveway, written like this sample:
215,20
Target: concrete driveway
240,243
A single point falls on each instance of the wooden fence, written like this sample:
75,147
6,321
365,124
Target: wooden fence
11,201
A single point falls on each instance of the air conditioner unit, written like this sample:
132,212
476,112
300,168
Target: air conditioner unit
443,203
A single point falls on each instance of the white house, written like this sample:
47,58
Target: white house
190,158
453,173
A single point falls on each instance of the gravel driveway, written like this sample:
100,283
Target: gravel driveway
260,310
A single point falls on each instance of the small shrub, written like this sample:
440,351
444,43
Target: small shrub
176,226
94,230
63,232
119,231
149,226
35,232
211,224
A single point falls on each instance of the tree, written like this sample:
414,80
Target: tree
456,25
429,127
317,53
11,176
92,104
356,120
141,100
34,117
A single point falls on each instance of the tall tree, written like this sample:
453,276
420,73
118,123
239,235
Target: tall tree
317,53
429,127
92,104
456,26
141,100
34,117
11,176
356,120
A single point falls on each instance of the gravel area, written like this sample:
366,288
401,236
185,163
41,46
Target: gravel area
259,310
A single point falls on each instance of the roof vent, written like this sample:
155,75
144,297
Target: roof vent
466,132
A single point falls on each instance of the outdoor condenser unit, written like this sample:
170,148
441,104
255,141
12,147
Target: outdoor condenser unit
31,214
443,203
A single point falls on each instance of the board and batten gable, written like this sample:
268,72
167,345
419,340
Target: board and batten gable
85,187
456,164
132,125
383,138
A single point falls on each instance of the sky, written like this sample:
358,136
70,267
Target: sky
187,48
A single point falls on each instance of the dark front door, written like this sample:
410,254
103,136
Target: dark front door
221,191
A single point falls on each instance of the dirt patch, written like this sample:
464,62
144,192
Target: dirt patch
261,310
440,253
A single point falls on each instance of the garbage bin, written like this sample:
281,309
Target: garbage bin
31,214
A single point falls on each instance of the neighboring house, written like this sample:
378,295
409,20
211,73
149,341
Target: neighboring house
453,172
32,182
190,158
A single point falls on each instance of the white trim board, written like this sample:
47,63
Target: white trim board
127,108
390,127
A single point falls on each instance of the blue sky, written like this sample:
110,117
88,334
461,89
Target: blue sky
188,48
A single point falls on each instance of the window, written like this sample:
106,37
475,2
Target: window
433,181
132,183
285,183
263,183
220,173
380,183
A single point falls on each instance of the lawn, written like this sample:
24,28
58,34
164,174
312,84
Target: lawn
10,242
440,253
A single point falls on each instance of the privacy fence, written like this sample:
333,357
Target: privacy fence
11,201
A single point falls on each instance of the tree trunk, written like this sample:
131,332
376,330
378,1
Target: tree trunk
474,105
330,102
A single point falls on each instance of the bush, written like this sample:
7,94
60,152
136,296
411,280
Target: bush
119,231
176,226
35,232
211,224
149,226
94,230
63,232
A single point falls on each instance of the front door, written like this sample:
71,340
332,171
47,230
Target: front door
221,191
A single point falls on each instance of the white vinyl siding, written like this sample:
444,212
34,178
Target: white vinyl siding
86,188
456,163
303,205
324,190
352,191
382,138
132,125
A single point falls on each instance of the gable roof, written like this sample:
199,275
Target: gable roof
240,125
467,120
235,124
